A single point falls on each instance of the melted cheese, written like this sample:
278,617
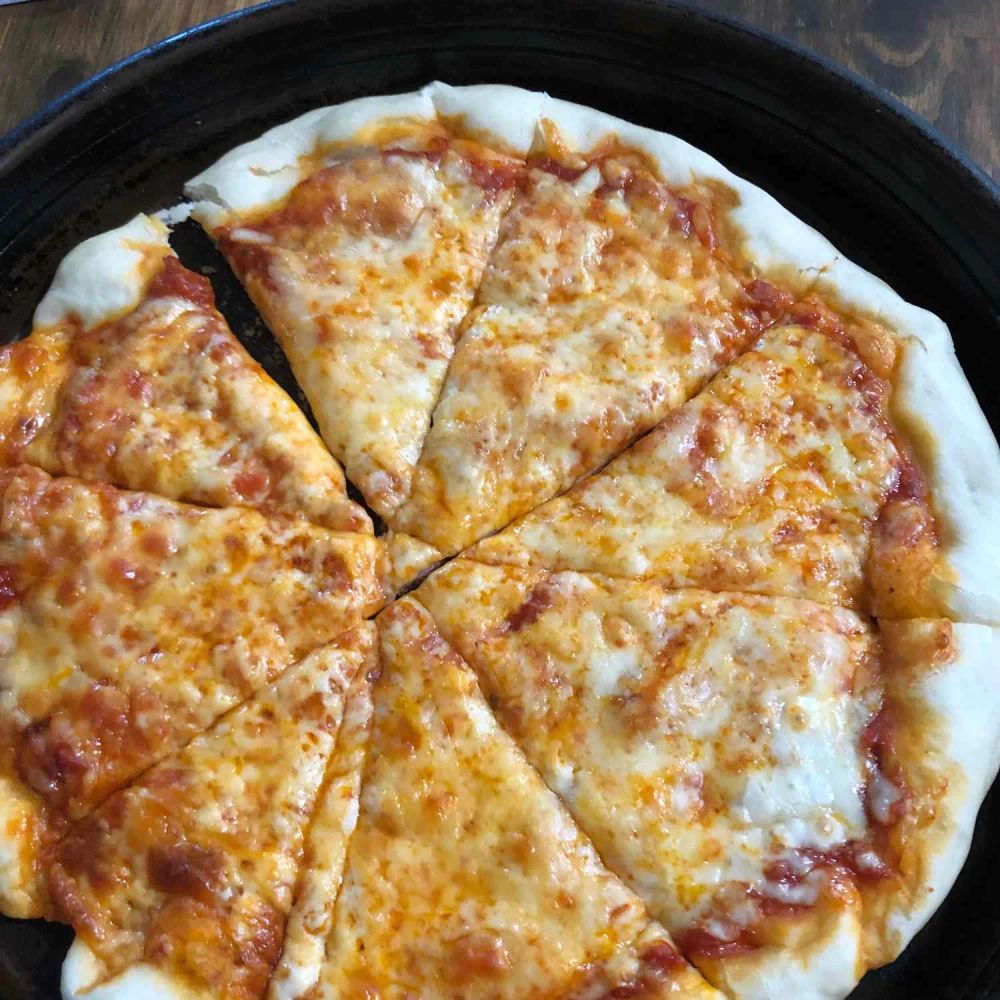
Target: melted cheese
696,737
311,918
365,296
768,481
597,314
131,622
464,876
229,815
165,399
21,835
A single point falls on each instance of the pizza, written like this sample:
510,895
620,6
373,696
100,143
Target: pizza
365,271
130,622
186,876
625,625
330,830
463,875
741,761
784,476
132,377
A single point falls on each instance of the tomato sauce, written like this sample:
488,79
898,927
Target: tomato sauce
496,177
552,166
175,280
541,598
657,964
185,869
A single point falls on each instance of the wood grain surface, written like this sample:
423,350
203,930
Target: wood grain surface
941,57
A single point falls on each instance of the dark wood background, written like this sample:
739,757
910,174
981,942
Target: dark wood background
942,57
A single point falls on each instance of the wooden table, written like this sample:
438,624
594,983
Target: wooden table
942,57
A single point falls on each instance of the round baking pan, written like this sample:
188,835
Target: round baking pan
884,186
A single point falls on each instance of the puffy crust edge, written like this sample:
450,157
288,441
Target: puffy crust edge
106,276
961,461
932,391
822,963
946,697
138,982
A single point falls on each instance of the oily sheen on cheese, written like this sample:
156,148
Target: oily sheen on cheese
129,623
464,876
163,398
191,869
364,274
697,737
607,301
782,477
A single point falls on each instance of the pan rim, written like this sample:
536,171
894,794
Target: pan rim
103,84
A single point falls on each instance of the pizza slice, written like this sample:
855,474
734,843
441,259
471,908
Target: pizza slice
362,239
310,920
464,877
179,886
785,476
610,298
129,623
132,377
785,798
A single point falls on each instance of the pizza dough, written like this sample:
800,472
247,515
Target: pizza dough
698,694
211,839
132,377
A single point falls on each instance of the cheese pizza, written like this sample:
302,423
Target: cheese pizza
364,269
784,477
680,529
180,884
464,877
325,848
131,622
766,773
132,377
609,299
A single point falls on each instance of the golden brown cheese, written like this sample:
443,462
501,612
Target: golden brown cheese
783,477
165,399
191,868
128,623
608,301
464,876
725,752
364,274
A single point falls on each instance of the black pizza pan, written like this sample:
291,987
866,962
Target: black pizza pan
847,158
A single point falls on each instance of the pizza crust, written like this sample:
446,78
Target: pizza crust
105,277
961,461
138,982
953,709
827,967
776,239
263,171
